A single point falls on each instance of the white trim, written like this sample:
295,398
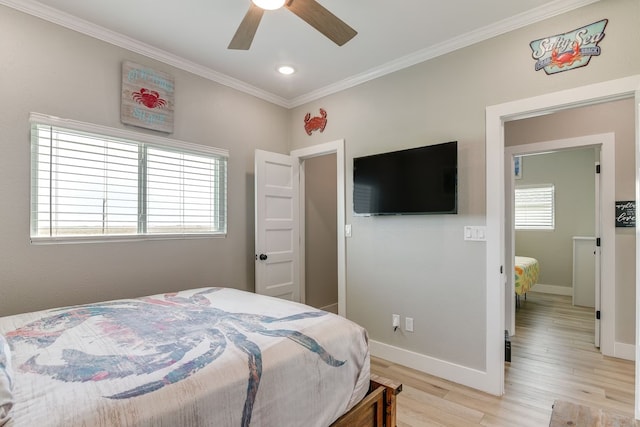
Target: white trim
157,141
495,117
553,289
302,233
111,238
624,351
637,345
336,147
430,365
541,13
66,20
71,22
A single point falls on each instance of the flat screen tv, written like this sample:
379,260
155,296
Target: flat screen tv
415,181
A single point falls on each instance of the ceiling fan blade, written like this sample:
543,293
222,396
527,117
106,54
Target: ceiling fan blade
314,14
244,34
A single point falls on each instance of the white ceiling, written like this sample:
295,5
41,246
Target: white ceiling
194,35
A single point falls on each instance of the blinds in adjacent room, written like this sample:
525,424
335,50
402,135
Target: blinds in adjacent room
534,207
92,181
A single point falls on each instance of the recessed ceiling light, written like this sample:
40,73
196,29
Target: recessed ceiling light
269,4
286,70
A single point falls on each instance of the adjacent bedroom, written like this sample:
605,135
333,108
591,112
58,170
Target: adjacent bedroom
556,205
554,237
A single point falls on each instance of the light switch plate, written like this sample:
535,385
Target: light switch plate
476,233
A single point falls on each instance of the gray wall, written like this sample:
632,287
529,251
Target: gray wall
48,69
420,266
616,117
572,172
321,231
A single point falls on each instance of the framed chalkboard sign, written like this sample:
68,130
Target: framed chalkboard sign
626,213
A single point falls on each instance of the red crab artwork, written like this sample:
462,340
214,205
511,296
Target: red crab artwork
566,58
149,98
315,123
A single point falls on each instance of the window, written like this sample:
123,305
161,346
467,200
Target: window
534,207
95,183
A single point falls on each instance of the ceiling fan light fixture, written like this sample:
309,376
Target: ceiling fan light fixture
269,4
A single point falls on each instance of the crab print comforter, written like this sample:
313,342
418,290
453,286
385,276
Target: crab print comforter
203,357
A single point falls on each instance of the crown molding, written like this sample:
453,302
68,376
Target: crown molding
55,16
84,27
502,27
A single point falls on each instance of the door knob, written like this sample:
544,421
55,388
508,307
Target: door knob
263,257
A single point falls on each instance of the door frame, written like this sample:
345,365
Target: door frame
495,117
607,231
337,148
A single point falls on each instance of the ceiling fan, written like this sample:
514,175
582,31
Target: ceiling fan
310,11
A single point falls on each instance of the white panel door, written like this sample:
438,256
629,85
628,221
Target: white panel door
277,241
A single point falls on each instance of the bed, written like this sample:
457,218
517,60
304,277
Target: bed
527,271
201,357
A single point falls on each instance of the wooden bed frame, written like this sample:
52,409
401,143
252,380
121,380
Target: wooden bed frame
377,409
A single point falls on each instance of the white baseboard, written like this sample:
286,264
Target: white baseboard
331,308
624,351
432,366
453,372
553,289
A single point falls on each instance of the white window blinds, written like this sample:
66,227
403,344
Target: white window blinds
90,181
181,195
534,207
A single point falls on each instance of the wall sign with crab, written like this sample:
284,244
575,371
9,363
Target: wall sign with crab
147,98
569,50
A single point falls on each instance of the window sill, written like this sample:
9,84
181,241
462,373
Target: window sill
120,238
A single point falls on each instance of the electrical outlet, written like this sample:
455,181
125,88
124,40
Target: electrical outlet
395,321
408,324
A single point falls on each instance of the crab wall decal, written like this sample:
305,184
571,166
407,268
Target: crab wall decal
149,98
566,58
315,123
167,338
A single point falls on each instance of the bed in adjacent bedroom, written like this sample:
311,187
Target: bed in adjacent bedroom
527,271
203,357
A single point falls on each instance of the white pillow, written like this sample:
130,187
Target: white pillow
6,381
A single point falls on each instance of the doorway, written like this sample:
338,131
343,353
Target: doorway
617,118
496,116
320,237
570,166
337,148
291,183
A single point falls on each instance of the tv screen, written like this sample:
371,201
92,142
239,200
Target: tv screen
419,180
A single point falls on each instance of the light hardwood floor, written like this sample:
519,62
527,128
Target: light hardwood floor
553,358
